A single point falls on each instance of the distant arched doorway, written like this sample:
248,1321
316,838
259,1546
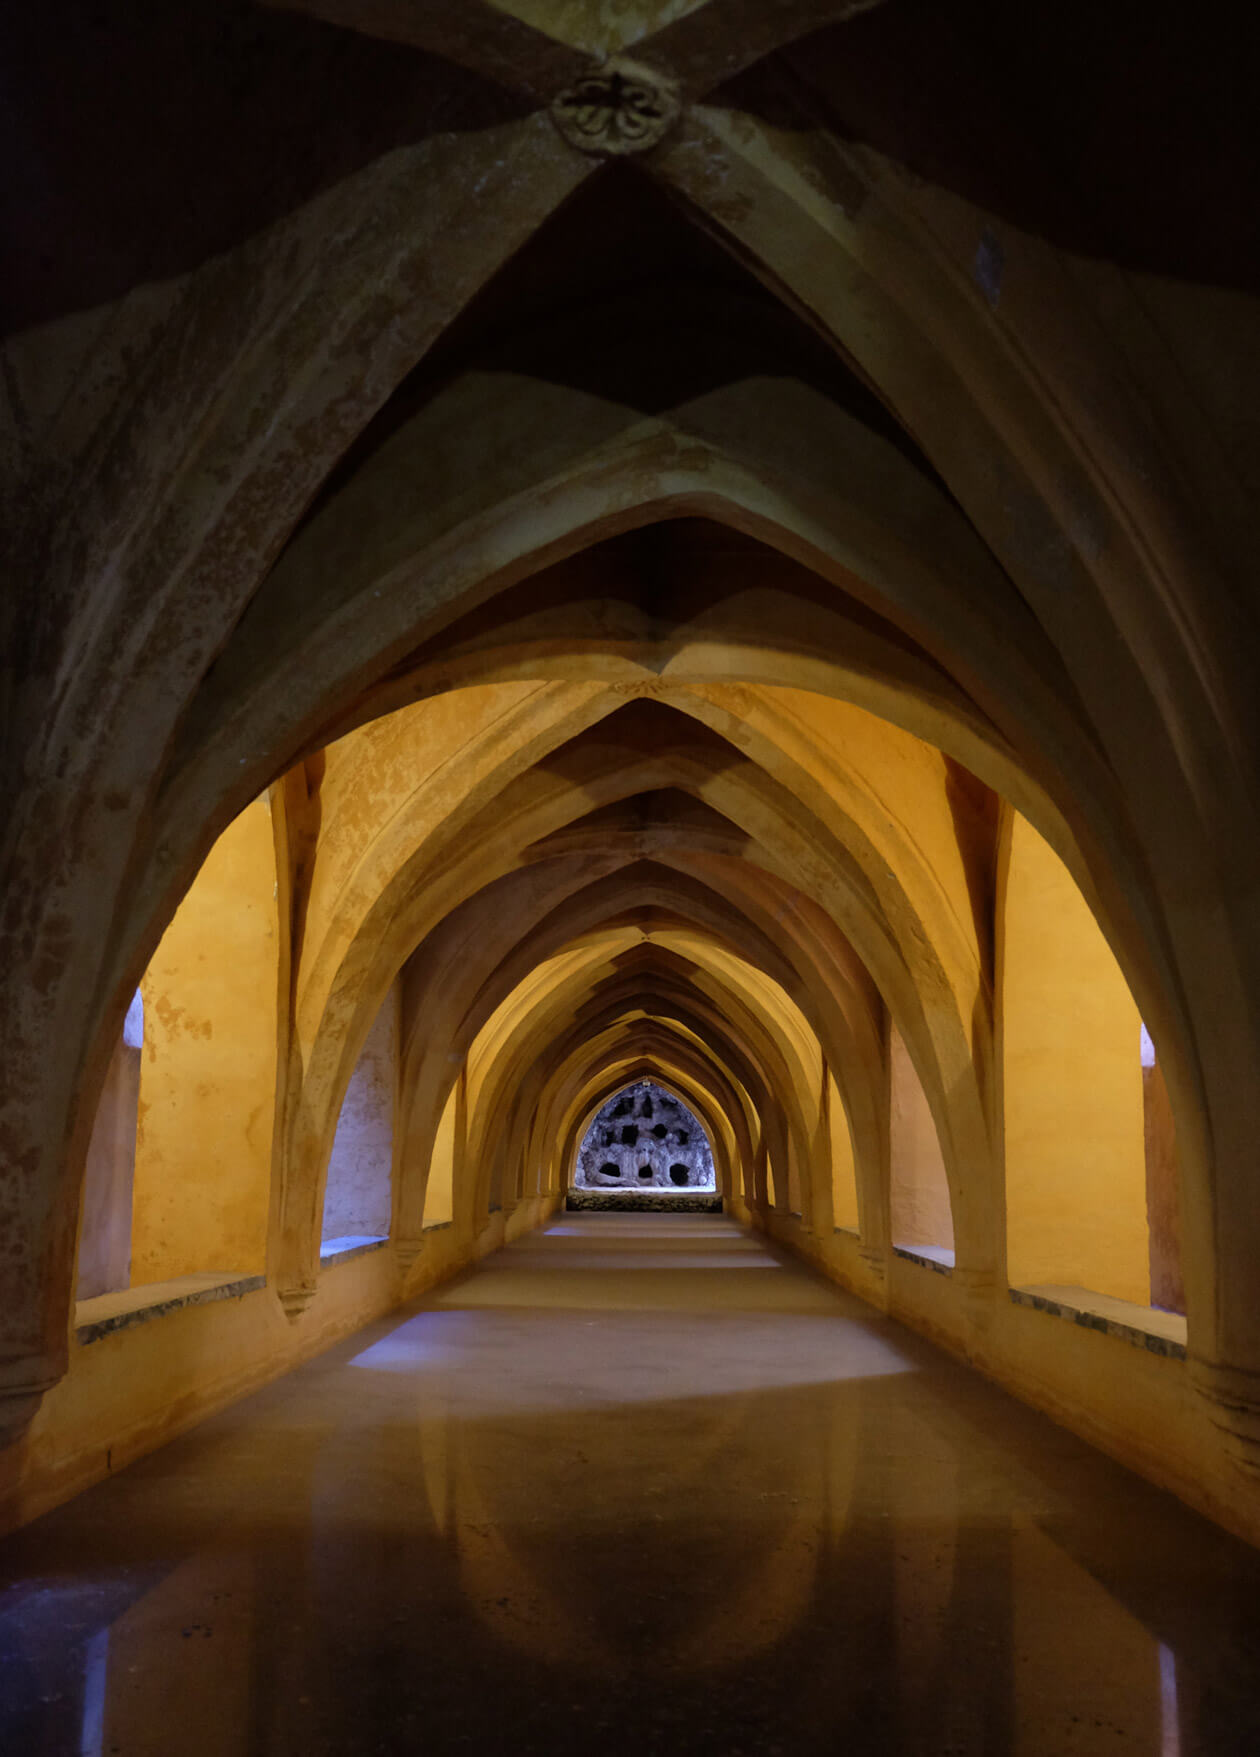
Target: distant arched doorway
644,1138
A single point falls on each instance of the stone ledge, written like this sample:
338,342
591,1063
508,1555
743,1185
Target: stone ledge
94,1318
353,1244
640,1201
934,1257
1142,1326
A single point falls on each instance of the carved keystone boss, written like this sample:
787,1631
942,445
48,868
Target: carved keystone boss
622,107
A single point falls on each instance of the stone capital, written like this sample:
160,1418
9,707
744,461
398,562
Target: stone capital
295,1300
19,1405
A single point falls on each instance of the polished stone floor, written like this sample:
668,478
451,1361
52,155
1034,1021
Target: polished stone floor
637,1484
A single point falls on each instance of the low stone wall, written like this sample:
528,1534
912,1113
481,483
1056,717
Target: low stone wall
131,1388
658,1201
1137,1404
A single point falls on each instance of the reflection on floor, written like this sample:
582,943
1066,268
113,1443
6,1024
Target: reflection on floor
637,1484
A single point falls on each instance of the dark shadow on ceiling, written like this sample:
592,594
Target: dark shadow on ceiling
140,138
1124,130
623,295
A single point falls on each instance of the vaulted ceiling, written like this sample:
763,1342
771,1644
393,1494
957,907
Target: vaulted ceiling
641,485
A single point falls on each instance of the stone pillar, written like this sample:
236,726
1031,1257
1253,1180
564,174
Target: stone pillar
104,1264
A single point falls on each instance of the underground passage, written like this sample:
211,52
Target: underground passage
630,880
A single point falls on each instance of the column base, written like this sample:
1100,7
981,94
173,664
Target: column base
1232,1395
979,1289
19,1405
876,1259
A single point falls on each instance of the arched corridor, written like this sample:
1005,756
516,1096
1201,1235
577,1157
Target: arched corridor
743,1513
643,1139
687,554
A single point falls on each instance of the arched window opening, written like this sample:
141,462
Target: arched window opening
844,1203
207,1086
795,1199
178,1179
358,1196
439,1192
109,1176
664,1148
922,1218
1086,1147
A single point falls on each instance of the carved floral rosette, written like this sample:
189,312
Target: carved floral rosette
617,109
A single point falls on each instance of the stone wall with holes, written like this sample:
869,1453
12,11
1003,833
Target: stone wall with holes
646,1139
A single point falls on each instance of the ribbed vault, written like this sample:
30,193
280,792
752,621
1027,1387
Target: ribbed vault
644,590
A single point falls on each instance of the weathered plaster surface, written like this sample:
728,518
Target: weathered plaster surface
358,1196
774,616
203,1161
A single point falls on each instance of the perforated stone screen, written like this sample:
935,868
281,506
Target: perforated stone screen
645,1139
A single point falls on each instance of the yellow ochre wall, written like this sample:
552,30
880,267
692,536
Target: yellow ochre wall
844,1203
439,1198
1072,1086
208,1072
919,1192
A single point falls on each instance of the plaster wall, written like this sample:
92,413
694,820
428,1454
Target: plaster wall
1072,1086
921,1213
358,1193
208,1069
844,1202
